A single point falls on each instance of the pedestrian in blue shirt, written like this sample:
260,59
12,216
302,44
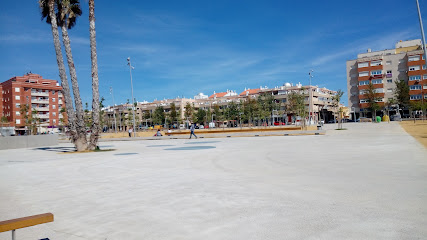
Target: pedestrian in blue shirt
192,130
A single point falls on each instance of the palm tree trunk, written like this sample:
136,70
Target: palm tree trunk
63,74
79,123
95,81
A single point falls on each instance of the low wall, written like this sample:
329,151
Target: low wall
30,141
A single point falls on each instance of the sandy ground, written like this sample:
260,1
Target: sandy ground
366,182
418,130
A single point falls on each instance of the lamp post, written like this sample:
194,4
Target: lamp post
114,110
425,55
131,85
354,113
310,74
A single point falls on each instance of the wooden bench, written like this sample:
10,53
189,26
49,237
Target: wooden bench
17,223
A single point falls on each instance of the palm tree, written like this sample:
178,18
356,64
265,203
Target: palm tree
50,12
67,12
95,81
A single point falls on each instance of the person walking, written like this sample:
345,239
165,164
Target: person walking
130,132
192,127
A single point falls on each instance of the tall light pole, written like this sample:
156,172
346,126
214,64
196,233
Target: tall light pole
131,85
310,74
354,113
425,54
114,110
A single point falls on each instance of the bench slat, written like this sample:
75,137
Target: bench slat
29,221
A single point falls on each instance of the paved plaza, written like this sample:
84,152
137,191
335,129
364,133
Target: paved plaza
367,182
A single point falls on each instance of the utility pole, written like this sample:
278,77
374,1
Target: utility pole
133,105
114,110
310,74
425,56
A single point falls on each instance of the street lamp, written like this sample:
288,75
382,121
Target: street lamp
354,113
310,74
114,110
131,85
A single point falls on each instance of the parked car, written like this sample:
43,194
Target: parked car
201,127
279,123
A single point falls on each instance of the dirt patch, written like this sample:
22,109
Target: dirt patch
418,130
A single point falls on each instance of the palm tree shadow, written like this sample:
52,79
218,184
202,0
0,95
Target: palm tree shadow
57,149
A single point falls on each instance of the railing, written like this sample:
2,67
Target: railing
39,100
41,108
39,94
17,223
42,115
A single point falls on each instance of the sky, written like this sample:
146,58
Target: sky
182,48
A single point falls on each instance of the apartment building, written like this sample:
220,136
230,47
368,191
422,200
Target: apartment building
43,97
321,99
321,107
382,69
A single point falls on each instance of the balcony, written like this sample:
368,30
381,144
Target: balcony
39,100
44,94
44,116
376,76
42,109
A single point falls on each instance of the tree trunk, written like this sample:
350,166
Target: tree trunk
62,74
95,82
79,123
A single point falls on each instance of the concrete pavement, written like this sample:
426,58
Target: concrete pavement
367,182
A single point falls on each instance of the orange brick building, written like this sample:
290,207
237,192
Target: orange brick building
382,69
43,97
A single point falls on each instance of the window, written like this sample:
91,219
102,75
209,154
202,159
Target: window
17,105
402,61
54,120
415,87
413,78
53,91
424,67
53,99
389,90
388,63
17,97
425,86
425,76
361,92
379,90
364,64
389,80
388,73
375,63
17,89
364,100
380,100
378,81
415,97
377,72
413,58
54,114
18,113
18,121
414,68
362,83
363,74
53,107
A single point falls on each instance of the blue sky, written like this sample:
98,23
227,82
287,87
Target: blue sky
181,48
